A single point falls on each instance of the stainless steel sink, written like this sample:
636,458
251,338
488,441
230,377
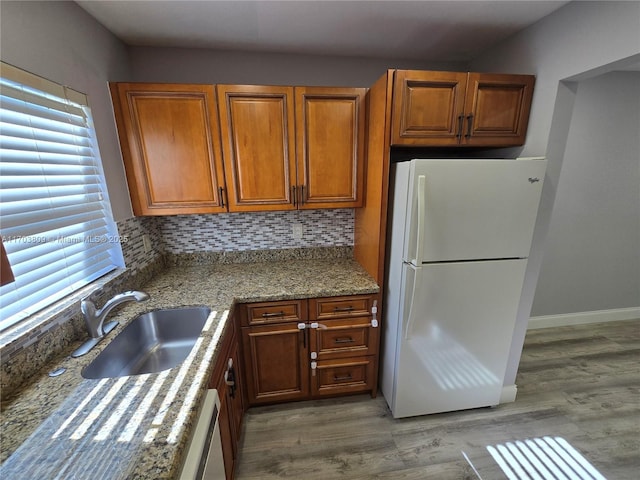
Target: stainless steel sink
151,343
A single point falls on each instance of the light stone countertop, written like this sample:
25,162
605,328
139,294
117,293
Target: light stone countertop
137,427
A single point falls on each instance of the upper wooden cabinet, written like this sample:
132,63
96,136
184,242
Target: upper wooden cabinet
460,109
170,147
330,146
284,148
292,147
258,144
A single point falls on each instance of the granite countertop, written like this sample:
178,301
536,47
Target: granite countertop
138,427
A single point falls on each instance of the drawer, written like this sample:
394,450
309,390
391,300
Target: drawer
347,375
344,338
274,312
336,307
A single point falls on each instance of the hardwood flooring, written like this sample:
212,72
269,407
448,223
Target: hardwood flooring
581,383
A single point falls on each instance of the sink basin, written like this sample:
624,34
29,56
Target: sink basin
150,343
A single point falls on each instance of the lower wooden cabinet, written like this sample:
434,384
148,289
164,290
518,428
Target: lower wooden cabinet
302,349
277,363
227,380
293,350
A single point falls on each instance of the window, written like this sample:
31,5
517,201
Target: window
55,217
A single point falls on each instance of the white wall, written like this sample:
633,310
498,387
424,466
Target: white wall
61,42
592,253
192,65
580,37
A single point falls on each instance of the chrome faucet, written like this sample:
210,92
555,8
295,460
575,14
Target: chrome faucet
94,318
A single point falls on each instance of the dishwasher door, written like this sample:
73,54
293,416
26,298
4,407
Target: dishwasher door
204,458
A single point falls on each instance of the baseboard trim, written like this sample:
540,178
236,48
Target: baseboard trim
508,394
597,316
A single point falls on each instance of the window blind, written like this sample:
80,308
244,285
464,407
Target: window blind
55,217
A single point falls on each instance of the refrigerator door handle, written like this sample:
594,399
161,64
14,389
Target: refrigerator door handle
417,287
422,180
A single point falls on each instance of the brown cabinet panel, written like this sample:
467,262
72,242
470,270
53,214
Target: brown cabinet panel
341,376
276,361
228,369
234,392
170,147
497,109
274,312
258,134
336,307
460,109
227,437
427,107
344,338
330,146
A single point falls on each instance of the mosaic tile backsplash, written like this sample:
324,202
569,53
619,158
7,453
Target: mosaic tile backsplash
133,229
256,231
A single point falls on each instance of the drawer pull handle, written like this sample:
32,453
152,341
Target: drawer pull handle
273,314
469,125
460,122
343,309
344,378
344,340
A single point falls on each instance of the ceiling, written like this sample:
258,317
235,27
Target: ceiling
438,31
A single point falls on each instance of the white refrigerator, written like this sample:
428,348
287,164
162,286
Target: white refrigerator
460,235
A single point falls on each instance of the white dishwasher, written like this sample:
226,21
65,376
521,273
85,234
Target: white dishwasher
204,458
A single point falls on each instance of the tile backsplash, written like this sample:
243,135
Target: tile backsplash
133,229
256,231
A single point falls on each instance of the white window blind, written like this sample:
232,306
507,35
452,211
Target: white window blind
55,217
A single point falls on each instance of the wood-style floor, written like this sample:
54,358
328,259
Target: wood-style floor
581,383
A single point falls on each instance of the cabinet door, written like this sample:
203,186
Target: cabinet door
276,363
234,392
497,109
170,146
427,107
330,146
225,424
258,141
